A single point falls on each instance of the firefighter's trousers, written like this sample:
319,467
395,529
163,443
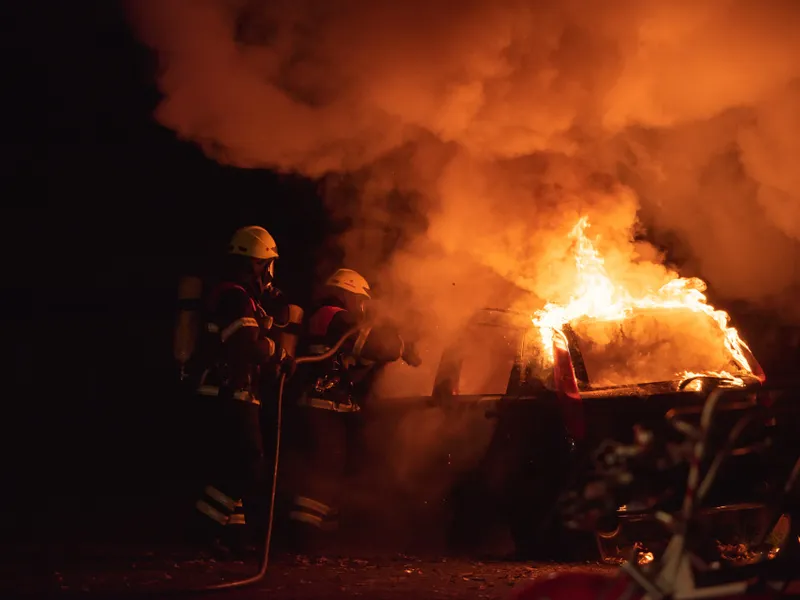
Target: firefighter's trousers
234,496
320,470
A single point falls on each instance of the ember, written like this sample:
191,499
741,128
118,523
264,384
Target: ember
609,316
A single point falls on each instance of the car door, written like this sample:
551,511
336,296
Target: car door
479,379
428,441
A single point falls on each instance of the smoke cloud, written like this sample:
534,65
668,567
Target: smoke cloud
476,131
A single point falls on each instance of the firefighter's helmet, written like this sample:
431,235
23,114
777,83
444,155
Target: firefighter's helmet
255,242
349,280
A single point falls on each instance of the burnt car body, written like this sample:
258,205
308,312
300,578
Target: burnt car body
550,416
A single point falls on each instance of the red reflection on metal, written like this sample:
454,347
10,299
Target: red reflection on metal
567,388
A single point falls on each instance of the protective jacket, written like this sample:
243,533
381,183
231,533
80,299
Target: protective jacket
235,346
340,383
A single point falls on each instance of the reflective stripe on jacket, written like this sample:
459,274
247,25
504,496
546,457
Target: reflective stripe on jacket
234,348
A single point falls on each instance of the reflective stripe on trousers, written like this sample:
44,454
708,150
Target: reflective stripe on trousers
219,507
314,513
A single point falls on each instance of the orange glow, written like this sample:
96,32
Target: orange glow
645,558
599,299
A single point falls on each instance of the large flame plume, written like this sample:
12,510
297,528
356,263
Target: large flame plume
598,297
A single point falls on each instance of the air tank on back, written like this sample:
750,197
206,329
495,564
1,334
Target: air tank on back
187,322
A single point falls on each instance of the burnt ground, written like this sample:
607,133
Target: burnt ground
113,570
109,546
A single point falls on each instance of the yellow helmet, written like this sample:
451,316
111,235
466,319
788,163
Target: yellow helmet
253,241
349,280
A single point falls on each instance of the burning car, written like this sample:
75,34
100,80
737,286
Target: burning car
560,383
603,381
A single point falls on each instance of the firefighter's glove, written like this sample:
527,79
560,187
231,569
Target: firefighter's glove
276,304
272,293
288,366
411,356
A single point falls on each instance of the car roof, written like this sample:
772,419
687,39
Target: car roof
499,317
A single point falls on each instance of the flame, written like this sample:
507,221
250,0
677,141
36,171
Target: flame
645,558
598,297
730,378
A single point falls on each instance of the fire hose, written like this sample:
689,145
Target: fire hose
264,561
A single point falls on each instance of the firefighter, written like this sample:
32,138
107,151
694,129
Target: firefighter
236,354
331,394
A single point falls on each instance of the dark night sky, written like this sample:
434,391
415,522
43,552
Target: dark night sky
115,203
121,197
103,210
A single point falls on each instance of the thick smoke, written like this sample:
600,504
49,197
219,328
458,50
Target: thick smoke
482,128
472,134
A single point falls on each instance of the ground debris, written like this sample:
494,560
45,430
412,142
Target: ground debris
303,577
